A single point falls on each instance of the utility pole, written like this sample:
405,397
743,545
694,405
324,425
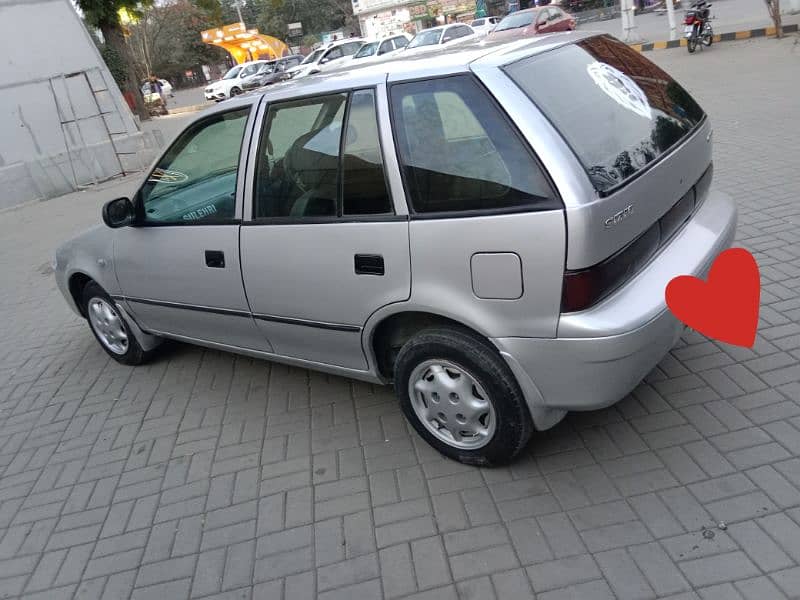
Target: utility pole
673,34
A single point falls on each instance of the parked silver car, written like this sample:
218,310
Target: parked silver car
492,231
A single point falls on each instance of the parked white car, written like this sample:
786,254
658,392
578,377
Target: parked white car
382,47
327,57
484,25
443,35
166,88
232,83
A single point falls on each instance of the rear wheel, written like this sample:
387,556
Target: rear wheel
691,44
461,397
109,327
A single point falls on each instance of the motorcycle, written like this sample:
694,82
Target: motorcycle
697,25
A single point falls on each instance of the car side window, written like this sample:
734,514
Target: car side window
400,42
301,171
334,53
195,181
364,190
459,153
249,70
350,48
386,47
298,170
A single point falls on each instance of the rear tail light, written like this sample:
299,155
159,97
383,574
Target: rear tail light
688,20
584,288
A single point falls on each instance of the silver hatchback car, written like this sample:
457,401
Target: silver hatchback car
489,228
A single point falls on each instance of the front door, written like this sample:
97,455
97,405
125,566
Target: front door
178,268
325,247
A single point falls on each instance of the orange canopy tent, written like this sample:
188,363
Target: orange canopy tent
244,44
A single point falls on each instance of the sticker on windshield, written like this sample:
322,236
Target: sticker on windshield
165,176
200,213
620,88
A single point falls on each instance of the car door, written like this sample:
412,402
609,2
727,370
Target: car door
542,23
178,267
326,246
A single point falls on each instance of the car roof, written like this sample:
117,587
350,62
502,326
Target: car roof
438,61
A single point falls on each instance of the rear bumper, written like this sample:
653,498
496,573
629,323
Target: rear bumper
601,354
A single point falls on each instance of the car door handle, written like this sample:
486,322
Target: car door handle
369,264
215,259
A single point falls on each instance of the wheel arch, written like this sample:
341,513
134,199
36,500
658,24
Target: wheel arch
77,283
389,331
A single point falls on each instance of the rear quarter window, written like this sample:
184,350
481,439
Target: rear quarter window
618,111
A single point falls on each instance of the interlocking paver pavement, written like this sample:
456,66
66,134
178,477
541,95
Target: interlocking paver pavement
209,475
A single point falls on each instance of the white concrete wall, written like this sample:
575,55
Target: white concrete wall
41,41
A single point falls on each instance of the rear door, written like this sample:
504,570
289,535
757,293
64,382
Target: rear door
325,246
487,230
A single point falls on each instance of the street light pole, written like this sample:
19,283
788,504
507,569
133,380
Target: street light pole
239,10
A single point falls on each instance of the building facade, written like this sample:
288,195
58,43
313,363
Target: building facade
379,18
63,120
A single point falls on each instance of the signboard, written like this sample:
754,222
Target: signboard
450,7
295,29
425,10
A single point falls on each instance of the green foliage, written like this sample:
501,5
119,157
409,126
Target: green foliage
115,63
99,13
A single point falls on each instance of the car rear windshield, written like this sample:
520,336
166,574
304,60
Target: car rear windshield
618,111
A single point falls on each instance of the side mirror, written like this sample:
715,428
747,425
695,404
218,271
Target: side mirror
119,213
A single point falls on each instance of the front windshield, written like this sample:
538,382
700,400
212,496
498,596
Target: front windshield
516,20
232,73
426,38
367,50
312,58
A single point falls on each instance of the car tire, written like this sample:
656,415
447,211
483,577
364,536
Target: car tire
103,317
235,92
496,418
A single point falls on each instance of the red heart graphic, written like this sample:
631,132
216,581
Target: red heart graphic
725,307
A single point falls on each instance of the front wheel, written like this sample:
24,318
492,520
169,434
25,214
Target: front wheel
109,327
708,38
691,44
235,92
461,397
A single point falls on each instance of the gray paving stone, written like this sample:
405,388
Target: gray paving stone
562,572
719,568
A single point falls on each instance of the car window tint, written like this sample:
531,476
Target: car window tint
334,53
459,153
386,47
623,113
367,50
400,42
364,188
350,48
196,178
477,23
298,168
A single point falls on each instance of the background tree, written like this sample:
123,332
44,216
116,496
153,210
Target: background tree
104,15
774,8
166,40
